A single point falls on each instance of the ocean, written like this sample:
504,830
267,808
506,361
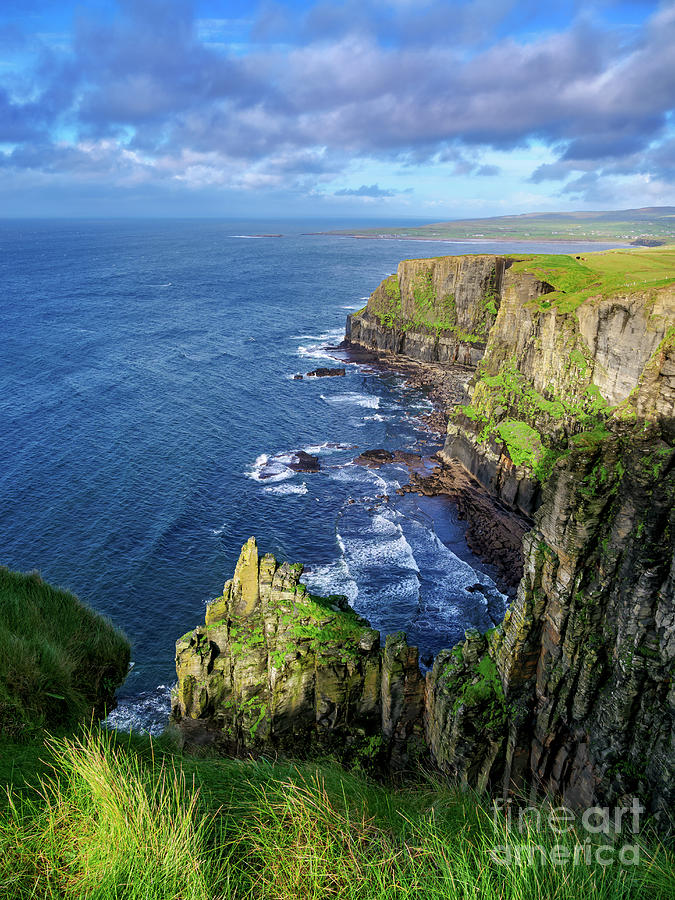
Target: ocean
148,413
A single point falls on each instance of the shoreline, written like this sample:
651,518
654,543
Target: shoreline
494,533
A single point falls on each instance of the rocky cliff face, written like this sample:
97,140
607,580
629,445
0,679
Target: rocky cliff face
433,310
571,419
275,668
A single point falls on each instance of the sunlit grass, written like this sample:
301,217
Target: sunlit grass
122,818
579,277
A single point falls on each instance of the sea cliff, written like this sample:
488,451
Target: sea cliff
277,668
568,420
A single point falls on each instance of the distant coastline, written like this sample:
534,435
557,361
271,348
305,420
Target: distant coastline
645,227
483,240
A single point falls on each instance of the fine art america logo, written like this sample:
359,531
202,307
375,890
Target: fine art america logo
597,836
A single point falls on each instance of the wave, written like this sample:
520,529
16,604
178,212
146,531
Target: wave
353,398
278,467
390,546
270,469
284,489
318,352
149,712
422,405
331,578
328,447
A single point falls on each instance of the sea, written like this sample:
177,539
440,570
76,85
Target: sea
148,416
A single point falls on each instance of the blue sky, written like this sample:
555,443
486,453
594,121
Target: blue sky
355,108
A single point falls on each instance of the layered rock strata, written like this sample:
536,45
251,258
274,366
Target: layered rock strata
437,310
571,420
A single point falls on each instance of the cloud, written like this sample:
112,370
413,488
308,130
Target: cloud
368,190
147,94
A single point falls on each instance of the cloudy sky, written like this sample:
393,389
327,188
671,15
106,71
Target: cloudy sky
355,108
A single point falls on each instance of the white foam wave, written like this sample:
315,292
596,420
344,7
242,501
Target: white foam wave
422,405
348,472
327,447
354,399
271,469
390,549
148,713
318,352
285,489
332,578
327,336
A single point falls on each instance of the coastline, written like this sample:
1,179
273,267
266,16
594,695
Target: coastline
484,240
494,533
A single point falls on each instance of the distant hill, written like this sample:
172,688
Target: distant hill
648,225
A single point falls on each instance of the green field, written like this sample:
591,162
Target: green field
610,272
621,227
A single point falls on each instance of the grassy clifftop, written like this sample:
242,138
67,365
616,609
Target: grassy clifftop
578,278
125,819
59,660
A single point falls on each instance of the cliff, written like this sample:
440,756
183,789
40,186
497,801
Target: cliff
570,419
59,660
434,310
557,343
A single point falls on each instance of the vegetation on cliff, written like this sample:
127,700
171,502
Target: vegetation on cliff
277,669
536,410
570,420
577,278
59,660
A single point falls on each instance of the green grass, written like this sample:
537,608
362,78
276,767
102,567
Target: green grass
119,817
598,274
59,660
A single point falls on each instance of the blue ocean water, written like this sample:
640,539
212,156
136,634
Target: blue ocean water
145,389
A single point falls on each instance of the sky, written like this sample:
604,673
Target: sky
358,108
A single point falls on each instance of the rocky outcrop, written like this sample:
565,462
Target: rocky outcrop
323,372
275,668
